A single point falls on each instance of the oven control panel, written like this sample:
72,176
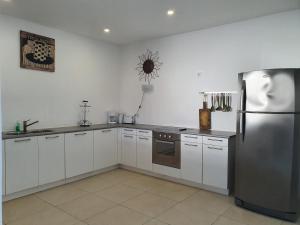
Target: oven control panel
166,136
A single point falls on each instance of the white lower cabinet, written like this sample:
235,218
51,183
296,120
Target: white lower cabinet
119,145
191,161
79,153
51,158
215,166
144,153
105,148
21,164
129,153
167,171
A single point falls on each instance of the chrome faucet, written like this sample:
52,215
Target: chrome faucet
25,124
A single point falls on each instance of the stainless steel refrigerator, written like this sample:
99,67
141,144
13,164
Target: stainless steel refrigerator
268,142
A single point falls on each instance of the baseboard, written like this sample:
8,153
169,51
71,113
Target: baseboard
55,184
97,172
177,180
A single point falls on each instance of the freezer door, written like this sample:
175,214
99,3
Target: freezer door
264,160
269,90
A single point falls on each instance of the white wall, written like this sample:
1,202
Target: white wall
219,54
85,69
90,69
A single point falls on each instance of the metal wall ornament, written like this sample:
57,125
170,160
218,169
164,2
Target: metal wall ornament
149,66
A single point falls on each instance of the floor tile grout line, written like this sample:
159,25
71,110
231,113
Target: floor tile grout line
34,213
76,198
84,220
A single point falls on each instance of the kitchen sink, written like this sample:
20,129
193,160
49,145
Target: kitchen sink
29,132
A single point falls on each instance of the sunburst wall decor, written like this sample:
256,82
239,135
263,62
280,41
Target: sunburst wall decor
148,66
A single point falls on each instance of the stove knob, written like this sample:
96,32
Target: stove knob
165,136
160,135
170,136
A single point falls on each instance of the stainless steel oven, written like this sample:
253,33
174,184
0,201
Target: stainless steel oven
166,149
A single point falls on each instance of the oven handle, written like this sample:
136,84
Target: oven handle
165,142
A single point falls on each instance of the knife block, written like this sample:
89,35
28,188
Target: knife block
205,117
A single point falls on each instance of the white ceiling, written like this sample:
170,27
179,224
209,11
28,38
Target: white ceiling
134,20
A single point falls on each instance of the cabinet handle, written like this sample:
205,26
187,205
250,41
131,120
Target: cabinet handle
215,148
128,129
127,136
144,132
142,138
23,140
192,137
80,134
52,137
210,139
106,131
190,145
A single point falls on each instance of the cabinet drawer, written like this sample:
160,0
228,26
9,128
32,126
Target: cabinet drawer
129,131
215,141
191,138
195,146
145,133
216,148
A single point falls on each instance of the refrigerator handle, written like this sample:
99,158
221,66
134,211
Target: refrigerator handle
243,96
243,125
243,109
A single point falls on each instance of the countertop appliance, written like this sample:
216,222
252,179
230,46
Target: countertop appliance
112,117
268,142
166,149
84,122
128,119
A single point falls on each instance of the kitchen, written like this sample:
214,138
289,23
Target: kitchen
101,67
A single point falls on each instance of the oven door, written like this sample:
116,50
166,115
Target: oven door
166,153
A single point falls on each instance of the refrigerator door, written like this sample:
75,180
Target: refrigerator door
264,160
269,90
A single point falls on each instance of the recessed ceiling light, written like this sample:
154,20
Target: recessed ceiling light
106,30
170,12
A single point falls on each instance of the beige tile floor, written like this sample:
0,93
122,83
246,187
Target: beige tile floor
121,197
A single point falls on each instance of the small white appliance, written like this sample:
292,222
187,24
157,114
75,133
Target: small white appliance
128,119
112,117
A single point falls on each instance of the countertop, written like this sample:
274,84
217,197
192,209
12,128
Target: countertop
73,129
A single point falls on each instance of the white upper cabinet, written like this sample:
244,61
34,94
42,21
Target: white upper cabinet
105,148
51,158
215,166
79,153
144,152
191,161
129,154
21,164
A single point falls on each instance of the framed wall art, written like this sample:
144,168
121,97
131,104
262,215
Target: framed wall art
37,52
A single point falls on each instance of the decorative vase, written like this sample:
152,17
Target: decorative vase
205,117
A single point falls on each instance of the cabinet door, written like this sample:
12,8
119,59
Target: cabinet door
191,161
215,166
21,164
144,153
129,150
79,153
51,158
105,148
119,145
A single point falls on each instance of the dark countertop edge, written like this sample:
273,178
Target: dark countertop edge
74,129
